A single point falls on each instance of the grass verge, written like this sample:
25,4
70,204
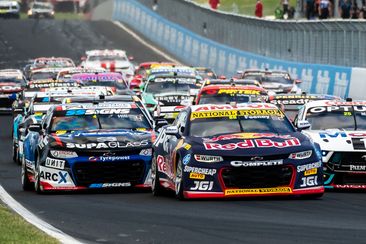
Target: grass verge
14,229
247,7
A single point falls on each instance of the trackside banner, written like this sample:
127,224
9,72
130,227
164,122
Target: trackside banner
196,50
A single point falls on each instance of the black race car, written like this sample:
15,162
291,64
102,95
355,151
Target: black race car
216,151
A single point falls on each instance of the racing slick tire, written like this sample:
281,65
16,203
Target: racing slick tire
179,181
26,184
15,154
37,183
156,188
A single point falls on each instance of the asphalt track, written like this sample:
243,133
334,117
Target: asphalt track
138,217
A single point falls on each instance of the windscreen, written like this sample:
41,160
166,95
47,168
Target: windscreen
104,58
277,78
90,119
42,76
170,85
211,123
337,117
10,80
223,99
118,85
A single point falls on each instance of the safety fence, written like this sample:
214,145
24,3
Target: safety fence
198,50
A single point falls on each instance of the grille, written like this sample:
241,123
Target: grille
350,179
109,172
257,177
344,158
5,103
249,158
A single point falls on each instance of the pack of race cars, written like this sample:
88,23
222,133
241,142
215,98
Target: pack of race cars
109,124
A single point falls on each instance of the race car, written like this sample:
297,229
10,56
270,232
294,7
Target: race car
291,103
275,81
112,60
166,94
339,127
88,146
112,80
34,112
206,73
11,83
43,74
142,72
9,9
219,151
47,62
221,94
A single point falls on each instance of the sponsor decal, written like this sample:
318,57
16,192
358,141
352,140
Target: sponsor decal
197,176
55,163
77,112
341,134
233,192
229,107
202,186
311,172
357,167
232,114
110,185
146,152
106,139
309,181
350,186
293,142
245,136
186,146
109,158
256,163
306,167
301,155
347,108
204,171
107,145
164,167
60,177
43,142
186,159
237,91
208,158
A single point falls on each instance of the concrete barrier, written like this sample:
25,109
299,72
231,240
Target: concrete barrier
197,50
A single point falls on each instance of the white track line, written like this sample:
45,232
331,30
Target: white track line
142,41
34,220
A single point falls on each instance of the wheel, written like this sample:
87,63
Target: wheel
15,154
157,189
179,181
26,184
37,184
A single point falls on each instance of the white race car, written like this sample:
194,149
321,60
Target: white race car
339,127
111,60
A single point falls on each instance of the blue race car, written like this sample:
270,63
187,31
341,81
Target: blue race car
89,146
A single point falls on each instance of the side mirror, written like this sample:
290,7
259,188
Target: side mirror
239,72
222,77
160,123
131,58
303,125
83,58
172,131
297,81
35,128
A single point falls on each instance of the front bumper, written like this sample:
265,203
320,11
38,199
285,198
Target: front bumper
83,173
228,181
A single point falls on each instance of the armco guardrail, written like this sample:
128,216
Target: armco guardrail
335,42
194,49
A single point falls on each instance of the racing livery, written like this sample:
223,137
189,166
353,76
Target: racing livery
88,146
291,103
11,83
216,151
339,127
275,81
